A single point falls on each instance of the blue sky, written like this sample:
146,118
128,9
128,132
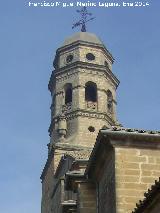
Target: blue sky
29,38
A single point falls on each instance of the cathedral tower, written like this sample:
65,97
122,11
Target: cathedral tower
83,90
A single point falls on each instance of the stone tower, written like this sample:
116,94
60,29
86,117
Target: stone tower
83,90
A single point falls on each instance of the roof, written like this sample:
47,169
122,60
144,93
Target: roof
78,155
83,36
75,155
119,137
135,134
129,130
150,196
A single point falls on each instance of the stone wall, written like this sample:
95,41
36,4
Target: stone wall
106,183
53,193
86,198
47,188
83,136
56,197
136,171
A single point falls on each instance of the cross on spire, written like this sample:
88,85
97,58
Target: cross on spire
82,22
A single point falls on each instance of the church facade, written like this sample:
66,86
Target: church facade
85,173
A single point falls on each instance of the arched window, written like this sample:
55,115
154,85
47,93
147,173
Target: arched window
109,101
68,93
91,92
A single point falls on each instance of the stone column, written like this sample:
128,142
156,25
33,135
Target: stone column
102,101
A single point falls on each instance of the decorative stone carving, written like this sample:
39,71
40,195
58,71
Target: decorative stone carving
91,105
67,107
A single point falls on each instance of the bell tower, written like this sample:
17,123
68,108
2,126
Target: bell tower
83,89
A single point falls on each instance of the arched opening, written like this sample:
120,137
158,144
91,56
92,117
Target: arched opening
68,93
91,92
109,101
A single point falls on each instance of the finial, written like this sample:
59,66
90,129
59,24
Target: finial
82,22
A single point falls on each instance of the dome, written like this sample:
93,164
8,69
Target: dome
83,36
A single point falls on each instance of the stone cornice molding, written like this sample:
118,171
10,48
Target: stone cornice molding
133,139
70,147
73,69
87,66
82,113
87,113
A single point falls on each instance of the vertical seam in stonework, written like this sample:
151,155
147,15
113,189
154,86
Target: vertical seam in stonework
140,168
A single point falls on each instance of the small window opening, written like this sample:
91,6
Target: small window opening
91,128
90,56
68,94
91,92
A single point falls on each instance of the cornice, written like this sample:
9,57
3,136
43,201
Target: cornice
133,137
88,66
68,148
87,113
81,67
82,113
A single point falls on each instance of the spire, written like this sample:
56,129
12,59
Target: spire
82,22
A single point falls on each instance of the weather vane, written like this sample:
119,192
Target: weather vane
84,13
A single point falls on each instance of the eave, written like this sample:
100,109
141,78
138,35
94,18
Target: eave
124,137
